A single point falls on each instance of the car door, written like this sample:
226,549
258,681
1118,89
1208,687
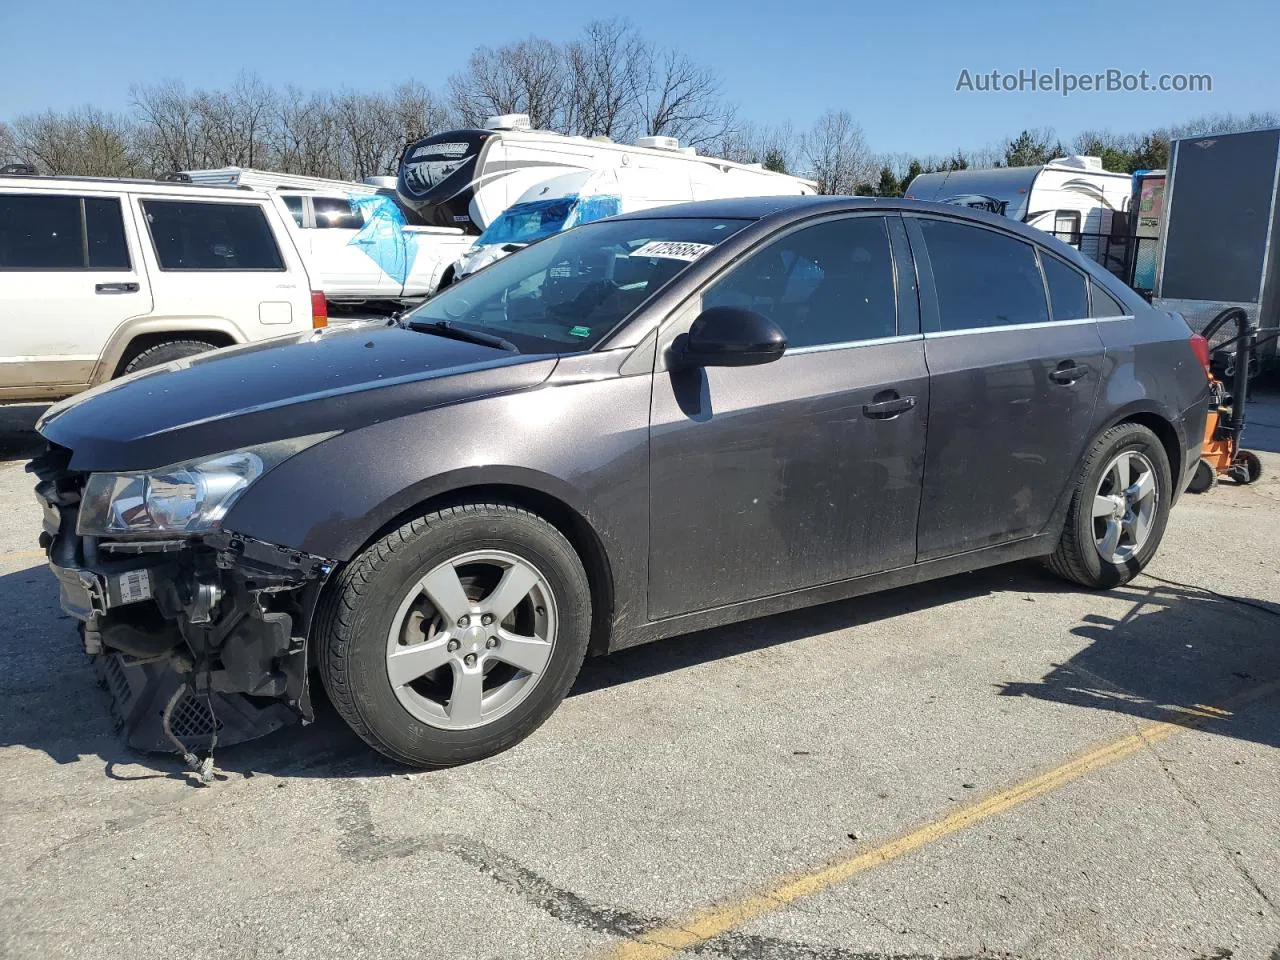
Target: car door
1013,380
69,276
224,260
344,268
806,470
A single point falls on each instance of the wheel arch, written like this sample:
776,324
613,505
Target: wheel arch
556,510
126,342
1163,427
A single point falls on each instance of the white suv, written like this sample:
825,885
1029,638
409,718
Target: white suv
103,277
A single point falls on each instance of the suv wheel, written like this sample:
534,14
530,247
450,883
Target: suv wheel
455,636
166,352
1118,511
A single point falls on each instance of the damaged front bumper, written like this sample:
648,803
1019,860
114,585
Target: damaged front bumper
199,640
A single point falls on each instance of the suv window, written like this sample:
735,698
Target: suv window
1104,304
336,213
294,203
104,228
1068,293
59,232
199,235
824,284
983,278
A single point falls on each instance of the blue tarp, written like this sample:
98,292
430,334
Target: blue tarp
383,236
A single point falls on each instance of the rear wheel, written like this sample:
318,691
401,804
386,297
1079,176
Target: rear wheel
1118,510
457,635
1246,467
166,352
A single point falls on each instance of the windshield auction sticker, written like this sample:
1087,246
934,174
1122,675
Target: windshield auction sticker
671,250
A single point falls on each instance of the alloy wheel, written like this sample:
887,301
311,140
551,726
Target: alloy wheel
1124,507
471,639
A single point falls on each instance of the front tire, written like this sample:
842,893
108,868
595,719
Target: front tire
1118,510
455,636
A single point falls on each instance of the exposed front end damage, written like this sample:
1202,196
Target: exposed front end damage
200,640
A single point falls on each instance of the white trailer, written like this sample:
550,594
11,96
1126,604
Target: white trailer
1071,197
468,178
364,249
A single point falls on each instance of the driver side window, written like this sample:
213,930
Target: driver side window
830,283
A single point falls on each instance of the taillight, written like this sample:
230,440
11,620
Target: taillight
320,310
1200,347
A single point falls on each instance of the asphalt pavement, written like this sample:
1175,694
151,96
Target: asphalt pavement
993,765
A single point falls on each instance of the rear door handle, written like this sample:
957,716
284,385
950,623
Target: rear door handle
1068,371
129,287
886,406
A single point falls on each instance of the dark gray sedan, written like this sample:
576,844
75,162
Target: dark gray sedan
645,426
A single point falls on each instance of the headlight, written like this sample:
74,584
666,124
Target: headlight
185,498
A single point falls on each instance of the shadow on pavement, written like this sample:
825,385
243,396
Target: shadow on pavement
1176,652
18,437
1175,648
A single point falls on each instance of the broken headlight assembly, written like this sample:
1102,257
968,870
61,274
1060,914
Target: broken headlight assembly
181,499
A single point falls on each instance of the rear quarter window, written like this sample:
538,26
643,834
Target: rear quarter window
1104,304
204,235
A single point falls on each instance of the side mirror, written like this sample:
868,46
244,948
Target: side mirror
731,337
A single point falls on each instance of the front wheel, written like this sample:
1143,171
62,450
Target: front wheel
455,636
1118,510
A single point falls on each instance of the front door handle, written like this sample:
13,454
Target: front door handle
887,405
1068,371
128,287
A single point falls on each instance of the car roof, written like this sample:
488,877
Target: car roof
783,209
125,185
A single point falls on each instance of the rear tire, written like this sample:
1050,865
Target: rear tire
166,352
422,651
1118,510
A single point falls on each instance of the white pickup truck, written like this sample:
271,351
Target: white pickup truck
363,248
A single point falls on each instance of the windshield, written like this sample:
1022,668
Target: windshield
566,292
527,222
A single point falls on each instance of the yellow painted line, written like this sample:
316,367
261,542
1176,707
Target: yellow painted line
22,555
707,924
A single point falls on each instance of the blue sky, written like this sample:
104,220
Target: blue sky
894,66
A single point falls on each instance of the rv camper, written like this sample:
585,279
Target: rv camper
469,178
1221,221
367,252
1071,197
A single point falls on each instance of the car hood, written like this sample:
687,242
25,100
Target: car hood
319,382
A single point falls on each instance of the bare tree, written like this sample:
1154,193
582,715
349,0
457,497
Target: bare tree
173,135
682,99
836,152
523,77
85,141
606,72
306,135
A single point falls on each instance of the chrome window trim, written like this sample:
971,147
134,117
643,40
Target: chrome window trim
849,344
1022,326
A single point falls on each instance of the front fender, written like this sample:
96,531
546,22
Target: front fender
585,444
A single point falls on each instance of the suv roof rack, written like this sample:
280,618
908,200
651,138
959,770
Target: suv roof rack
174,176
18,170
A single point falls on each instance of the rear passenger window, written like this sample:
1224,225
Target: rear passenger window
40,232
1104,304
826,284
1068,293
104,230
336,213
43,232
983,278
195,235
